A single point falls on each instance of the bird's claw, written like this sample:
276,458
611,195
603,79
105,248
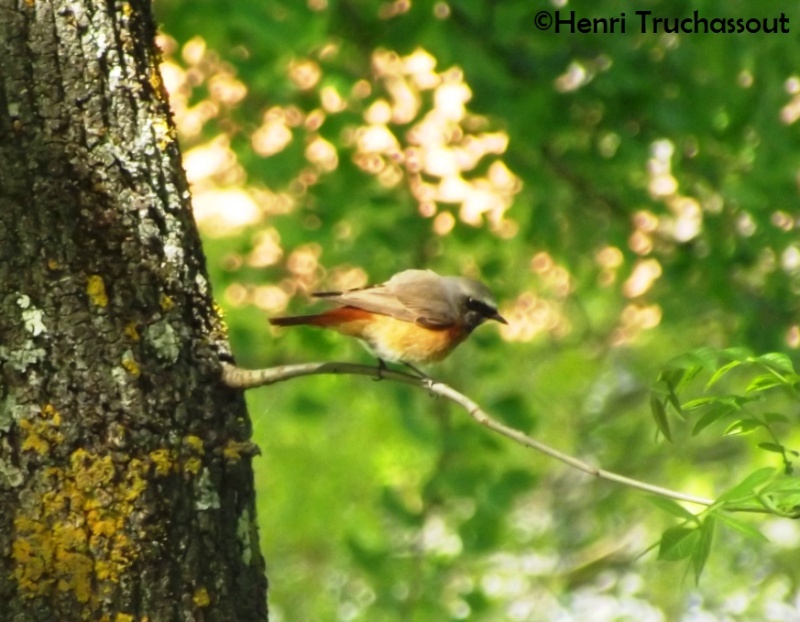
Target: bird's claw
379,373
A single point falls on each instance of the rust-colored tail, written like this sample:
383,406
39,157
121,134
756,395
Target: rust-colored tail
333,317
294,320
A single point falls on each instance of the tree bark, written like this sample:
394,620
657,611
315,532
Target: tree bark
126,488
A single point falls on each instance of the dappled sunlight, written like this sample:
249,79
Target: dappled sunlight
437,538
271,298
634,319
305,73
782,220
790,113
443,223
609,259
200,66
343,278
225,211
793,336
303,263
573,78
531,316
442,146
223,205
273,135
322,154
407,125
644,275
267,249
790,259
581,72
541,310
417,130
393,8
213,161
685,220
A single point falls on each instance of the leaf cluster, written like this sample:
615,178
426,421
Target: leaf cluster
743,411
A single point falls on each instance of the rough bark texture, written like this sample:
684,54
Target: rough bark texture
126,488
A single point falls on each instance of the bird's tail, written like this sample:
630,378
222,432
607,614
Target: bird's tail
296,320
330,318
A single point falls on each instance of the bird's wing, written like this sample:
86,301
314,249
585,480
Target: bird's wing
412,295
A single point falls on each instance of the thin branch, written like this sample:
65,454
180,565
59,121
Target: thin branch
238,378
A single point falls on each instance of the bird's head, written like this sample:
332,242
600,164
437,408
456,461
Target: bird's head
475,302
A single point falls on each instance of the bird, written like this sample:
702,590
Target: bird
416,317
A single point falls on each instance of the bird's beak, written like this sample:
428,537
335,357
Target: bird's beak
499,318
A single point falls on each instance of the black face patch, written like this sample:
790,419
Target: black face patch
480,307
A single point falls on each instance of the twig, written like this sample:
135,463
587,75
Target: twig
238,378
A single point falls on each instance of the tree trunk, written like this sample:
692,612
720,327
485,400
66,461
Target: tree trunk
126,488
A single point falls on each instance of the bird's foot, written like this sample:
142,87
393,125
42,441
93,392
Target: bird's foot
418,372
381,368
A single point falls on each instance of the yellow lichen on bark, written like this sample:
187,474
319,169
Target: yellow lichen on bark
164,461
201,597
193,445
40,433
130,365
165,302
132,332
72,533
96,289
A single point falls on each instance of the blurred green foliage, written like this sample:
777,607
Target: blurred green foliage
377,502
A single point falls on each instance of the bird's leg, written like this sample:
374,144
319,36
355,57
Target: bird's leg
381,368
417,371
427,381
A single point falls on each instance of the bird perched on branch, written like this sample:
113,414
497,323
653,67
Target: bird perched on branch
416,316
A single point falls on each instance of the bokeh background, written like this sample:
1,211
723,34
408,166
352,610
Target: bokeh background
628,197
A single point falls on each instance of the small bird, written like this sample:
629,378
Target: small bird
416,316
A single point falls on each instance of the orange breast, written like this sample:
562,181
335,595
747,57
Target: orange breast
395,340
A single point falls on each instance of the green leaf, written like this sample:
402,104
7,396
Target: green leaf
660,415
721,372
682,369
713,414
703,548
743,426
687,376
673,508
742,527
776,360
703,401
782,494
783,485
678,543
707,358
672,396
773,447
776,418
737,354
747,487
764,382
665,389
